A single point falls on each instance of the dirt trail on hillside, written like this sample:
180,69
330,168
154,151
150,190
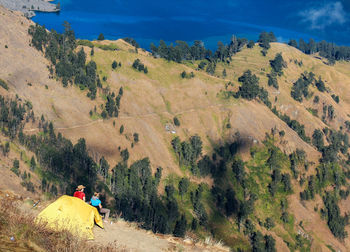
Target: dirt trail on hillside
125,237
129,117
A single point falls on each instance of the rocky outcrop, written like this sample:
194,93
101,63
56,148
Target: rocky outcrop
29,7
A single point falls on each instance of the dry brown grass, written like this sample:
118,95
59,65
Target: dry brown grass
19,232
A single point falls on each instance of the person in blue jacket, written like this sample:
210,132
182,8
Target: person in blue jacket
96,202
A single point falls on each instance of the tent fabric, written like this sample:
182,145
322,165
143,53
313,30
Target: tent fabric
72,214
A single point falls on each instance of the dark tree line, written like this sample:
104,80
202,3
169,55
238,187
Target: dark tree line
137,199
132,42
182,51
328,50
70,66
56,154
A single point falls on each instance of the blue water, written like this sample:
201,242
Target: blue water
209,21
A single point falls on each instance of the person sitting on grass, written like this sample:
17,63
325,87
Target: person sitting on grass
79,192
96,202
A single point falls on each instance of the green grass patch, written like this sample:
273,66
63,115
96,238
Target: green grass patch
313,112
95,116
84,42
109,47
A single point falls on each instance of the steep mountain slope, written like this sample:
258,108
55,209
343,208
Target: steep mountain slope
152,100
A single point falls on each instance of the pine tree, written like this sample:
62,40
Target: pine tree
183,186
101,37
32,164
114,64
180,227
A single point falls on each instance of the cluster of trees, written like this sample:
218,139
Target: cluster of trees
188,152
338,143
13,114
272,80
335,221
250,88
298,160
264,40
70,164
138,65
261,242
112,105
57,156
277,65
335,98
279,182
185,75
70,66
328,50
115,64
233,193
226,196
328,113
135,189
330,173
310,191
209,67
300,88
181,51
320,85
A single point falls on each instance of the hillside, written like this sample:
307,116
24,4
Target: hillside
149,103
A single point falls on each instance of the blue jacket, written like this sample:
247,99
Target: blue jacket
95,201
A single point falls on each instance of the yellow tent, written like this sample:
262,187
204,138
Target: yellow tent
72,214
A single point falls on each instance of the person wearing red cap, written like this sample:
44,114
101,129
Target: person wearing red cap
79,192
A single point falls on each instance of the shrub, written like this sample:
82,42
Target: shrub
176,121
3,84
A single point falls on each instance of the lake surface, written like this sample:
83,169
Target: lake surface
209,21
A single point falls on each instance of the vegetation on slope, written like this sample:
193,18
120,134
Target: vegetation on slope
242,190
